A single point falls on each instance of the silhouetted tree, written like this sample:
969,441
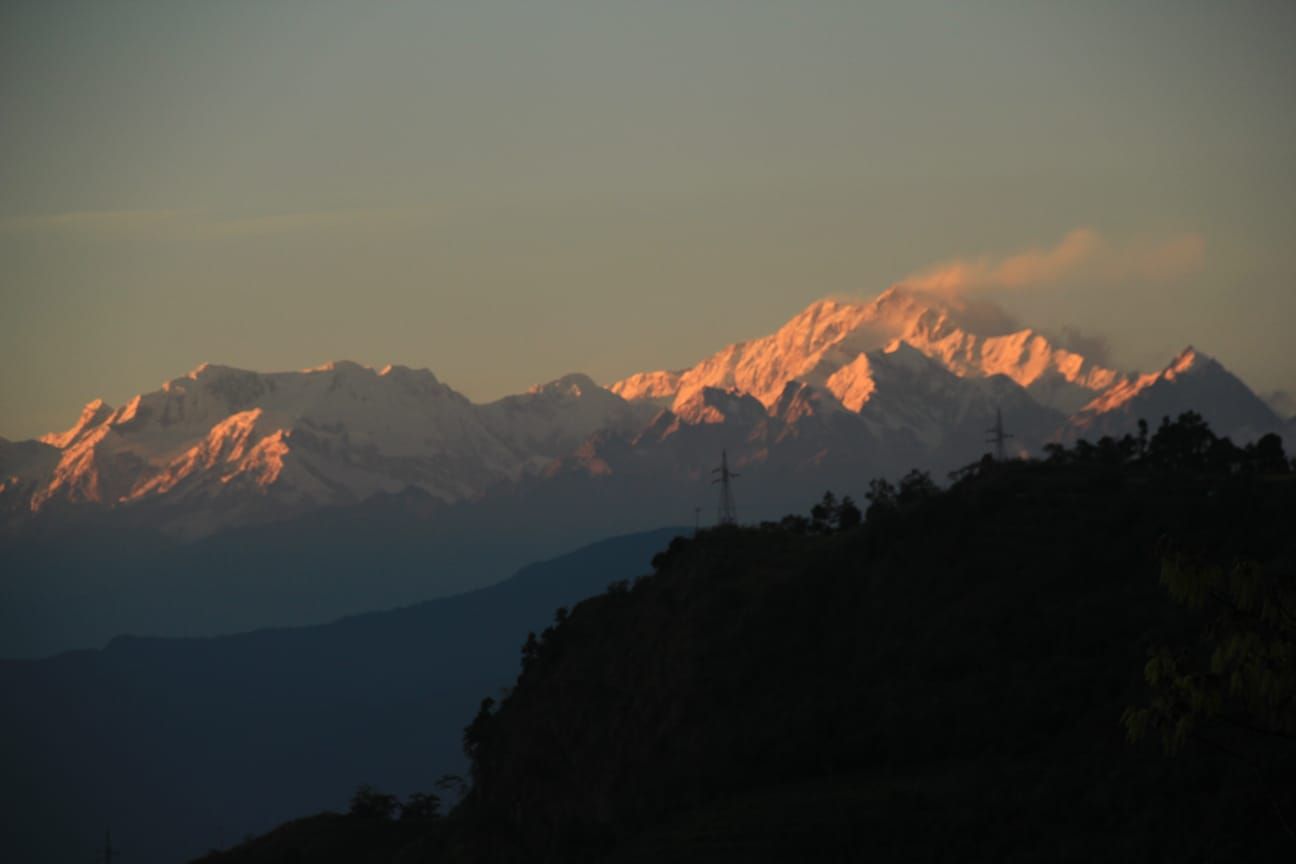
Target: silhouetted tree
1267,456
824,514
794,524
848,515
420,807
369,803
530,649
1114,452
476,731
881,498
452,784
915,488
1183,443
675,548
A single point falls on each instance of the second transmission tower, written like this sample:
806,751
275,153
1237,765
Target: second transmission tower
998,436
726,513
108,851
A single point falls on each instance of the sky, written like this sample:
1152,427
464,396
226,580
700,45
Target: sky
504,192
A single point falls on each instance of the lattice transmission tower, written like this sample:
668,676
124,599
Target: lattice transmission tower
998,436
726,513
109,852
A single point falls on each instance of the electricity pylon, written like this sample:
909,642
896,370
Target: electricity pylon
108,850
726,514
998,436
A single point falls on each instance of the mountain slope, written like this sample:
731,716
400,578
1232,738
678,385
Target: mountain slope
1192,381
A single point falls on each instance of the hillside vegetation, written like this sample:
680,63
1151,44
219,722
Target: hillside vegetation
1088,657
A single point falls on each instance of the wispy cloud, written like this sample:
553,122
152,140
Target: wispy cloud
1081,255
97,220
311,221
116,222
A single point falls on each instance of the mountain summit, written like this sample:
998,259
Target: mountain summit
830,335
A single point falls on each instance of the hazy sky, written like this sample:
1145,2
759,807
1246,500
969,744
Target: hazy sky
507,191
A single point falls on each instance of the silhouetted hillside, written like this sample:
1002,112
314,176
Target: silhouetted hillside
949,681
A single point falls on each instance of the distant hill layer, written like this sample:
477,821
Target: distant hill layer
182,745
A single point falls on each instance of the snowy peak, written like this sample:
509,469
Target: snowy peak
900,380
853,384
220,445
760,367
659,387
230,448
828,337
978,340
1187,362
331,434
571,386
822,324
343,366
93,414
1192,381
550,420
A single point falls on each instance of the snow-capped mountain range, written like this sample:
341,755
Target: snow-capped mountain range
899,381
828,345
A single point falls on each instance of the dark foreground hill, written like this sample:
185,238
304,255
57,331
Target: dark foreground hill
949,681
183,745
